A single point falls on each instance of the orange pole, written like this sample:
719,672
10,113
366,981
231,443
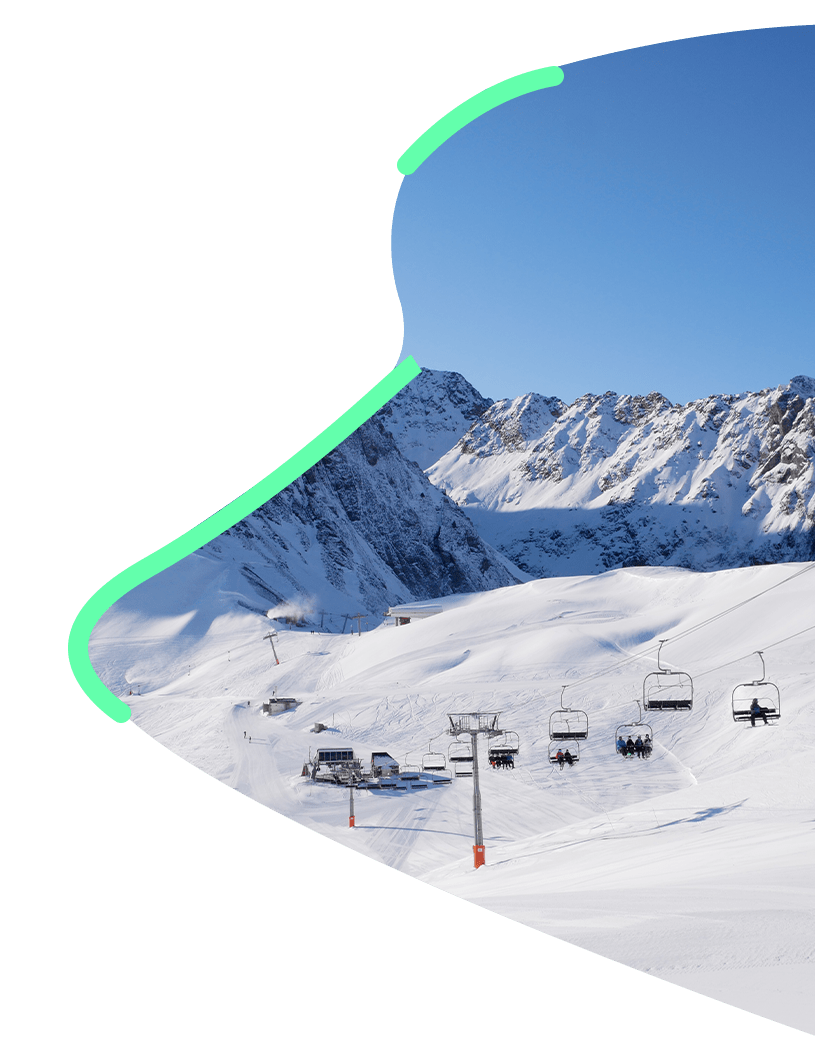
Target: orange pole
479,857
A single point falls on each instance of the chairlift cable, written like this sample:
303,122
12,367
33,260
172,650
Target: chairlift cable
693,629
741,658
742,603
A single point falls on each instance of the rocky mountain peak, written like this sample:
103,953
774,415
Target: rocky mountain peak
431,413
511,425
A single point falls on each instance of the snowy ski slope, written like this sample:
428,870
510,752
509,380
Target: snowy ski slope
697,865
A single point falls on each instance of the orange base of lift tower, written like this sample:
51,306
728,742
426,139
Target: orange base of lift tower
478,857
351,822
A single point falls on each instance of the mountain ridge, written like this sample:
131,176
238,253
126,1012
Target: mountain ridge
739,466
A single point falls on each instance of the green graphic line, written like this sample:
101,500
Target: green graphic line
115,589
473,108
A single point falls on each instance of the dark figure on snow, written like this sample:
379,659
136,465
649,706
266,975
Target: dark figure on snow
568,757
638,746
756,711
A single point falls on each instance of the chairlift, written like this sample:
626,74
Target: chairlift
630,730
561,747
460,751
503,748
508,743
463,768
568,724
433,762
413,761
666,689
757,700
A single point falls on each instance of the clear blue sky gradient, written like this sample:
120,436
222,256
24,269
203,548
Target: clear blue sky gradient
647,225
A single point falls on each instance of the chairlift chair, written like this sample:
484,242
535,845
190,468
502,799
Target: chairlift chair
632,729
568,724
764,694
508,743
666,689
433,762
460,751
460,755
502,747
572,746
413,761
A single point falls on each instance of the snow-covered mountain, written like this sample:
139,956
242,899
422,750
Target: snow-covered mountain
428,417
613,481
363,529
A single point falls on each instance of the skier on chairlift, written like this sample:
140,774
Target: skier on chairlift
646,746
561,759
638,746
569,759
630,749
757,711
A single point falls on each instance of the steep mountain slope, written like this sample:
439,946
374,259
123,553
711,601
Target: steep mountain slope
616,481
431,413
362,529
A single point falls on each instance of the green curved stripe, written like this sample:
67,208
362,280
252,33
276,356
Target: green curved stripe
115,589
473,108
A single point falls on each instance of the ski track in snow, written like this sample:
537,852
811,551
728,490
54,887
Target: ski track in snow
697,865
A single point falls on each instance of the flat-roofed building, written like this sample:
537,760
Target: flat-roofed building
405,613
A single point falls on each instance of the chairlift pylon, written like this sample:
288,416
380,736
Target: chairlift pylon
757,700
666,689
567,723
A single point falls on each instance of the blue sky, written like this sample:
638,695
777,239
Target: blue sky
647,225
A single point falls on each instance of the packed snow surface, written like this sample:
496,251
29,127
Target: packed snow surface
696,865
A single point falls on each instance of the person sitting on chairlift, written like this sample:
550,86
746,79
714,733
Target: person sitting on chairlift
757,711
638,746
569,759
646,746
630,749
620,746
561,758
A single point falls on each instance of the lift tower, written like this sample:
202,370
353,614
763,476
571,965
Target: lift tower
474,724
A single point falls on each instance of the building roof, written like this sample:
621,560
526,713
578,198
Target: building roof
414,610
